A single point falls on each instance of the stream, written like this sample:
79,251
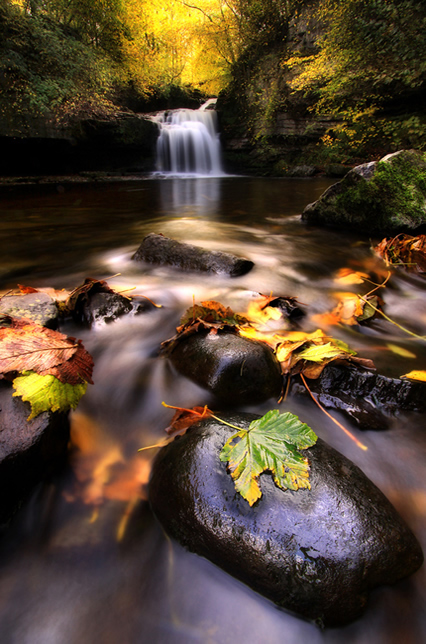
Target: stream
85,561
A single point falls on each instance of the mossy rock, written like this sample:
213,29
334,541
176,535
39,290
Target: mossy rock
387,196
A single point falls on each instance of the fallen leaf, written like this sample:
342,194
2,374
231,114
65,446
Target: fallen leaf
271,443
184,418
349,276
47,393
400,351
416,375
27,346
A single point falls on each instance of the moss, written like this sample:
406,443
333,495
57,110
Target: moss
394,198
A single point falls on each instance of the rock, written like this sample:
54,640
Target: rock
367,397
314,552
236,370
302,171
157,249
38,307
102,307
387,196
29,450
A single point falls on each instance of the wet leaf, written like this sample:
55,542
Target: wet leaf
405,251
416,375
46,393
400,351
271,443
27,346
349,276
320,353
211,311
184,418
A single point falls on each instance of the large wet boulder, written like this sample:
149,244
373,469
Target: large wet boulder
386,196
234,369
30,450
314,552
158,249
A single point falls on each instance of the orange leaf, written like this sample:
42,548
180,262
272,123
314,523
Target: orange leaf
184,418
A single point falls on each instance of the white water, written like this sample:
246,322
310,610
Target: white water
188,142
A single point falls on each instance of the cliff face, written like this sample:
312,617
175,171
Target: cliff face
346,87
265,125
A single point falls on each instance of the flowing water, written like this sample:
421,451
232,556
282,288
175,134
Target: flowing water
85,562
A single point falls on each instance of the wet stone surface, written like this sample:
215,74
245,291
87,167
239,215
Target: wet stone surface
38,307
314,552
234,369
158,249
29,450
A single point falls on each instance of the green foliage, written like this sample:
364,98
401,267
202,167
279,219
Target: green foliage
47,71
271,443
47,393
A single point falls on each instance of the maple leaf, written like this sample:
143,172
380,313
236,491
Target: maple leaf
271,443
46,393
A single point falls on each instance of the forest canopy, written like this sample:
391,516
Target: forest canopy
61,59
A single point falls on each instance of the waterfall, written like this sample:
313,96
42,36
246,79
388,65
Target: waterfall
188,142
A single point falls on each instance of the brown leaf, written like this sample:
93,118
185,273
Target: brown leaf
26,346
77,369
184,418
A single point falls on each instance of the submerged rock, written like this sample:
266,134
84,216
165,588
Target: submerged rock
387,196
236,370
29,450
157,249
314,552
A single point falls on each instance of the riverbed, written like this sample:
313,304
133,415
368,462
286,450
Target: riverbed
85,561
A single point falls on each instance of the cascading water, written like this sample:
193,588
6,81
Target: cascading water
188,142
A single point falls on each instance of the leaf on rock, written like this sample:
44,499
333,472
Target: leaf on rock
47,393
271,443
416,375
184,418
319,353
27,346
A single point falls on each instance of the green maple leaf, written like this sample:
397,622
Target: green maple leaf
271,443
46,393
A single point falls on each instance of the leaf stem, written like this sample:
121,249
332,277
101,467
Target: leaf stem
419,337
351,436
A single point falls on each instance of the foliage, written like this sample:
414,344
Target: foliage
271,443
47,393
404,250
371,61
46,69
54,368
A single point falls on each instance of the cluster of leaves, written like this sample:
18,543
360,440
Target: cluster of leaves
48,369
404,250
297,351
271,443
209,315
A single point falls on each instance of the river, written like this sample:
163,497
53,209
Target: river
85,562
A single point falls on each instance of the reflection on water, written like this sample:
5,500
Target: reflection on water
85,561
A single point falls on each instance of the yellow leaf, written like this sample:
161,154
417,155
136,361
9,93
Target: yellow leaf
416,375
400,351
348,276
